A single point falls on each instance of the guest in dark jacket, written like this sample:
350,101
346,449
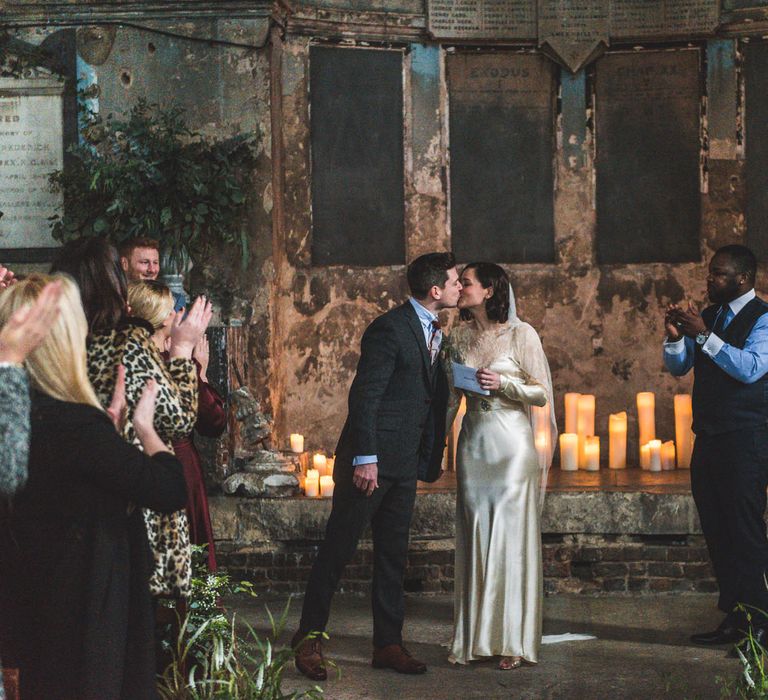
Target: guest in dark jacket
74,557
153,302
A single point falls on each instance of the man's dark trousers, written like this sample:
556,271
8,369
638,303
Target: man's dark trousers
729,477
389,511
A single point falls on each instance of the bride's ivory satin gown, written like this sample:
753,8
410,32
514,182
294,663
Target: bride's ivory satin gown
498,568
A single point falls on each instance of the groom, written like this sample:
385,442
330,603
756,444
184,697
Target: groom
394,434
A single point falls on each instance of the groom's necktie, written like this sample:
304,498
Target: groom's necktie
434,344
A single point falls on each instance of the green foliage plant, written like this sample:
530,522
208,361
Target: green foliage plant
213,659
752,683
149,174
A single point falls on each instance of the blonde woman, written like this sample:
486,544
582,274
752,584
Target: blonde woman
153,302
74,557
115,338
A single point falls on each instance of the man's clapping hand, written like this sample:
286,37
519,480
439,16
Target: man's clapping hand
679,321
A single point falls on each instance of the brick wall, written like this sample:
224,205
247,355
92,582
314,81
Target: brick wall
584,564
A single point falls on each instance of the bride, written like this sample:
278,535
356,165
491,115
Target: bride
501,478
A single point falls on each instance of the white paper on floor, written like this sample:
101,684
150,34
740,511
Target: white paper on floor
567,637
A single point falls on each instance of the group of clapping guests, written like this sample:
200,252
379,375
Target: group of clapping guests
101,386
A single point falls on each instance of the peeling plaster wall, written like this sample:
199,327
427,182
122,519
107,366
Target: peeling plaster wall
601,326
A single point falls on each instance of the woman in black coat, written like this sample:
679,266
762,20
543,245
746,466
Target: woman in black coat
74,558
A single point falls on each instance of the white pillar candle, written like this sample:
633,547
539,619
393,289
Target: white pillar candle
542,432
683,434
617,436
326,486
569,452
645,456
646,417
456,429
654,450
312,484
592,453
319,463
586,423
668,455
330,462
297,443
572,412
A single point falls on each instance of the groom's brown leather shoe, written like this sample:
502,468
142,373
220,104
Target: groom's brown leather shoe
397,657
308,654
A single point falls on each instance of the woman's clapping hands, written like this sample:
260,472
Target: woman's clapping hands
29,325
186,332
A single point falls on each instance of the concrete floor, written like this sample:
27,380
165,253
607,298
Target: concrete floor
641,652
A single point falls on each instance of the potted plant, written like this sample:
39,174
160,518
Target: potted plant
149,174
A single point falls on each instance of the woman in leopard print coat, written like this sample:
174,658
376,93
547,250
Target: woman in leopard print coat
116,338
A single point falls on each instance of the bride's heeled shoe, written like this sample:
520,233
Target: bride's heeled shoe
508,663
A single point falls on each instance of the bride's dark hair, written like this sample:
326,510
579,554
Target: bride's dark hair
491,275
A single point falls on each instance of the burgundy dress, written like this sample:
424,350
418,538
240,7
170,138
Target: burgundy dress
211,422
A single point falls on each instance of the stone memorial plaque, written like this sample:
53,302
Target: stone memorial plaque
574,30
501,118
662,18
31,147
647,134
482,19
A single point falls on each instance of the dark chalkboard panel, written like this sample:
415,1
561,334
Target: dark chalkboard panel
756,142
647,132
501,148
356,107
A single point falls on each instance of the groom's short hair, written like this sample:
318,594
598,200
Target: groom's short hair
427,271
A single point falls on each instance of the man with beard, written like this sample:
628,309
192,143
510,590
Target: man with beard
727,347
140,259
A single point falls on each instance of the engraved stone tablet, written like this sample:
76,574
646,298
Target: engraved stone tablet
31,147
574,30
482,19
662,18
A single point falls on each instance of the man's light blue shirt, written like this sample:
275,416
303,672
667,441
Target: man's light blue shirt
426,318
746,365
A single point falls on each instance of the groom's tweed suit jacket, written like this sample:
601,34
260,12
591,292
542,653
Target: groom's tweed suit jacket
397,401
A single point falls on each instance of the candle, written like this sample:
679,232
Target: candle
646,417
542,432
645,456
319,463
297,443
654,460
312,483
569,452
585,422
456,428
330,463
683,433
592,453
326,486
572,412
617,440
668,455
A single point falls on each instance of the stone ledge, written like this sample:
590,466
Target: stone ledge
257,521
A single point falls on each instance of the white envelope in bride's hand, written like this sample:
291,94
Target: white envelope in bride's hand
465,377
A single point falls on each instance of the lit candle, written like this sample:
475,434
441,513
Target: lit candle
592,453
585,422
617,437
645,456
654,449
542,432
646,417
456,429
297,443
312,483
683,433
572,412
329,465
569,452
668,455
326,486
319,463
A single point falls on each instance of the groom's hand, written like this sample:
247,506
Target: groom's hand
366,478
